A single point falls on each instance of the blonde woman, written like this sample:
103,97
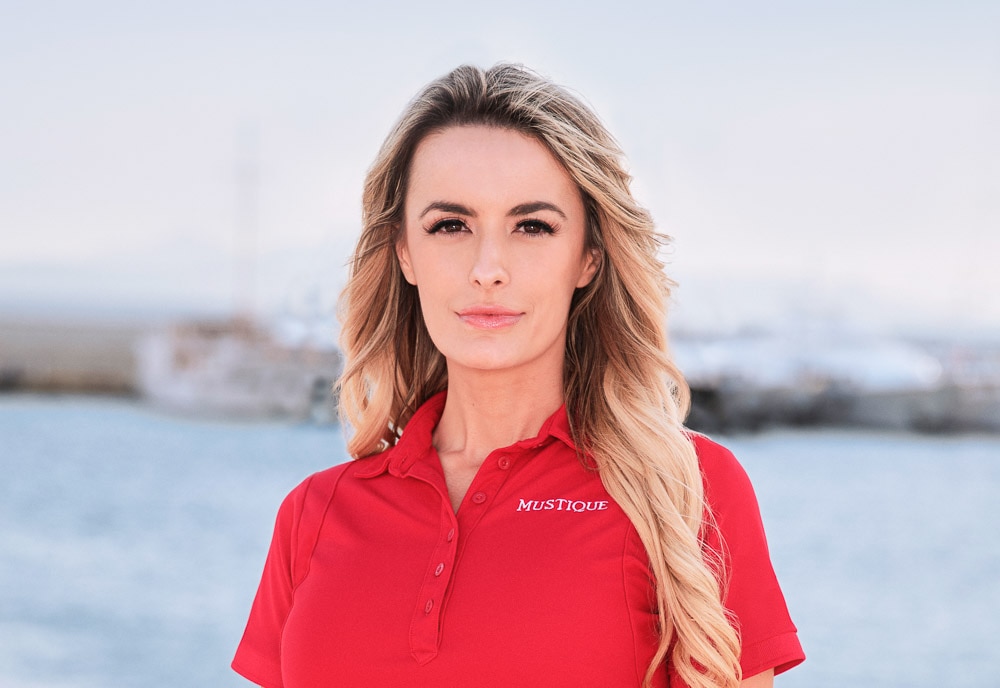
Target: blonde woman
525,507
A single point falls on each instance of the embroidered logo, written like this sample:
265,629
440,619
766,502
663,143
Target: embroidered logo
561,505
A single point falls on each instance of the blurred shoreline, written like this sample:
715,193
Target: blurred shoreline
739,383
63,356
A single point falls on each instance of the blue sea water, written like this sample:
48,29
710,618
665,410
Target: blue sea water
888,550
131,544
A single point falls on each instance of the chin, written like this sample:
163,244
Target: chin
483,363
492,358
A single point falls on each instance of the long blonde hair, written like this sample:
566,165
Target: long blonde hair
625,397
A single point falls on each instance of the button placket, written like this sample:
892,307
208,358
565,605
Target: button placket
487,482
427,618
425,625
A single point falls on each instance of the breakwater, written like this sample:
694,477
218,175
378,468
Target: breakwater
738,383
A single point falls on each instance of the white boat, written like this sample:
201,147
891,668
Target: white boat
235,368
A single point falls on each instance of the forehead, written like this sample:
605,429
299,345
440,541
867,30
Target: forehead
478,160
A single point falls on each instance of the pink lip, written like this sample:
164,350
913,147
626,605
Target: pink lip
489,317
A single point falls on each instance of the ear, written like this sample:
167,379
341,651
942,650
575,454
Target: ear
403,254
591,263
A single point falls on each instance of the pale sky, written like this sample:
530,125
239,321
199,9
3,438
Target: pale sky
834,161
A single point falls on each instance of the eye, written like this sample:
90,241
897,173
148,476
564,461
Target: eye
535,227
449,226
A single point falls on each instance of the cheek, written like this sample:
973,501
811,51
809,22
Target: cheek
573,276
435,299
435,276
423,251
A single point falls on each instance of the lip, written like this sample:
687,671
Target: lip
489,317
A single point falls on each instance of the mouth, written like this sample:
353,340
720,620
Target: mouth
489,317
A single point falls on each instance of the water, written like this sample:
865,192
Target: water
131,544
888,551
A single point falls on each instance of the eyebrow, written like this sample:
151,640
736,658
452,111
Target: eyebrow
534,207
446,207
522,209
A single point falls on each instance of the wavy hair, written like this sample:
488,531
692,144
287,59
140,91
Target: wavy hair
625,397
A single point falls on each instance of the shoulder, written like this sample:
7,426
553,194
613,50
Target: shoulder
729,496
312,494
723,475
316,481
301,516
309,497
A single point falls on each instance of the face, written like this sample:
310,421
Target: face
493,239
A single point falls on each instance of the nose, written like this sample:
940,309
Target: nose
489,266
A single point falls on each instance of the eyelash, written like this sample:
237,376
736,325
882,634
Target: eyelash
541,227
545,227
438,226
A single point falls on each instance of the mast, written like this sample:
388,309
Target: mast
247,176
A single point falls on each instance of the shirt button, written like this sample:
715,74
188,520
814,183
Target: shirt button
504,463
478,498
429,606
451,535
439,569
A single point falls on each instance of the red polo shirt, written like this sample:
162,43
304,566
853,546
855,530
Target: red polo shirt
538,579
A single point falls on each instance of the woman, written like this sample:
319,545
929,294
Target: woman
526,507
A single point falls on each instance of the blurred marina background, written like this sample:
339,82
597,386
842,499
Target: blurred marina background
179,193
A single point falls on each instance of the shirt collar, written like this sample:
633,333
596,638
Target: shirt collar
415,443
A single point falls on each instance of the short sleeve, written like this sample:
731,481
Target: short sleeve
296,530
258,656
752,595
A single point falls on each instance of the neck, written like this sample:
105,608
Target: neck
488,410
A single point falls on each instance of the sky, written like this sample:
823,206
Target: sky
833,163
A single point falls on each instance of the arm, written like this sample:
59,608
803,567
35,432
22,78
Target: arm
764,679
